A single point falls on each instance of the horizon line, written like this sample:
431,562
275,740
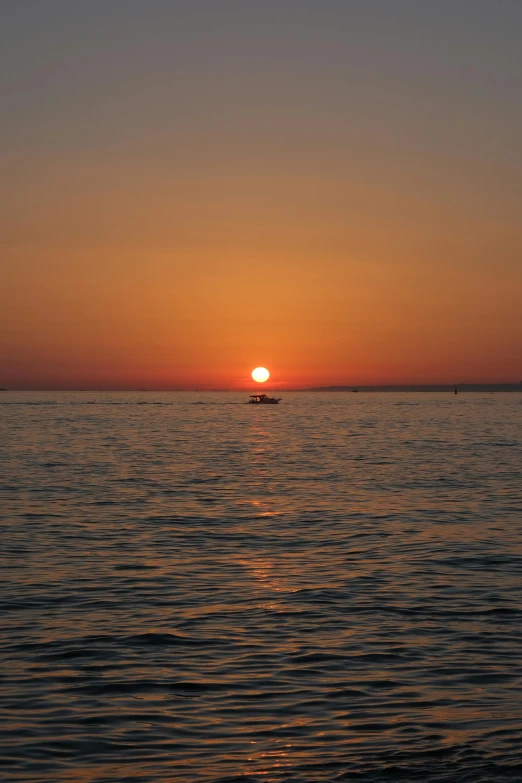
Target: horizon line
404,386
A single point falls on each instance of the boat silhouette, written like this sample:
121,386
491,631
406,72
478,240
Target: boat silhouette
263,399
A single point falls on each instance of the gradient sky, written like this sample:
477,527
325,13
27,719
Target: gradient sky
328,188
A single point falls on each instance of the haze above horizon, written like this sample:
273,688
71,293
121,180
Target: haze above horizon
331,190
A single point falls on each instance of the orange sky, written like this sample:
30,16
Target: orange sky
338,213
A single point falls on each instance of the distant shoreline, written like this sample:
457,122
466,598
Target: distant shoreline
461,387
404,388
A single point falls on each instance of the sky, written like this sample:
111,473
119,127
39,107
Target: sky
331,189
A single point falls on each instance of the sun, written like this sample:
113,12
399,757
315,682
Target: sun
260,374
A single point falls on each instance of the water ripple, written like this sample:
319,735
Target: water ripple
324,591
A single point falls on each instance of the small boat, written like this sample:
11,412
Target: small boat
263,399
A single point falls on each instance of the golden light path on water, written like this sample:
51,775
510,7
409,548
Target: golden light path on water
326,587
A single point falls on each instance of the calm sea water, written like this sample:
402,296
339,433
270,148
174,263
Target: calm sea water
194,589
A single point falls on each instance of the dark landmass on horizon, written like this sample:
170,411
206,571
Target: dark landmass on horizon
442,387
462,387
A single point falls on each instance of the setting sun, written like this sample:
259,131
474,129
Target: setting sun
260,374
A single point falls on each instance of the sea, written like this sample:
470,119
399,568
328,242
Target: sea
195,589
